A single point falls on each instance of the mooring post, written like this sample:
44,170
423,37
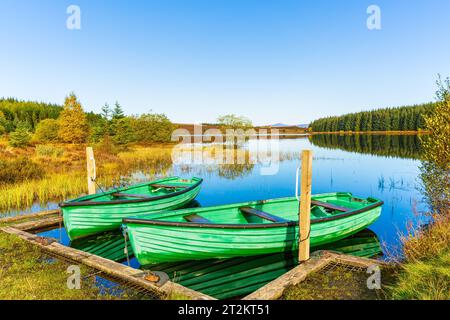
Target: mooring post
90,170
305,207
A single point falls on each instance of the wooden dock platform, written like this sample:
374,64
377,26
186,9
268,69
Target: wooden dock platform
143,280
25,227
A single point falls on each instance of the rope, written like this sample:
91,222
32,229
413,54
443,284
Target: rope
307,237
125,250
60,226
95,181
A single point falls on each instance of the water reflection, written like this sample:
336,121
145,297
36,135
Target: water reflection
400,146
227,278
391,178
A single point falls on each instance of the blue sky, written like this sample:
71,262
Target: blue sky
272,61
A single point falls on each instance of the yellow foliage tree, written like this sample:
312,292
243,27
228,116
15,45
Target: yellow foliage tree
73,126
436,156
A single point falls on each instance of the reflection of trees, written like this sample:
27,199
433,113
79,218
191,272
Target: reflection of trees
238,162
233,171
400,146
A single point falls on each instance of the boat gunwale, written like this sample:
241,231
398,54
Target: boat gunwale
141,221
74,203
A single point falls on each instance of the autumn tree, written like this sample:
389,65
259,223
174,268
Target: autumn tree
435,169
73,127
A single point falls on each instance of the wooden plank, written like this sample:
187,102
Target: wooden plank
30,216
91,174
330,206
261,214
197,219
305,207
275,289
39,224
319,259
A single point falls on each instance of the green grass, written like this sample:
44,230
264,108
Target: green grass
28,274
425,273
424,280
338,283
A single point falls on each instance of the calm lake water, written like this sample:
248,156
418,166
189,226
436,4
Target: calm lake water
384,167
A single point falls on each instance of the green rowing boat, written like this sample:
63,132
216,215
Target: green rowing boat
246,229
104,211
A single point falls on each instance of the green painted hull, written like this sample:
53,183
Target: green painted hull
237,277
231,278
98,213
166,236
109,245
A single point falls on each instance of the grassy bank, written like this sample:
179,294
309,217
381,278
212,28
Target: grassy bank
28,274
64,171
425,273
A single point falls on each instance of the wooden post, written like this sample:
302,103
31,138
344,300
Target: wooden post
90,170
305,207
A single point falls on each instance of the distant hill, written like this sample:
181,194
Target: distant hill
282,125
279,125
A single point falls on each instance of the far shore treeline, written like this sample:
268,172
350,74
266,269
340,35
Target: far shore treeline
25,122
406,118
28,122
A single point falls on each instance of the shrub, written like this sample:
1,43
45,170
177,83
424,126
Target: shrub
107,146
17,170
153,128
47,131
49,151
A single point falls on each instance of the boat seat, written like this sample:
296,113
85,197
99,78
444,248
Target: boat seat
197,219
129,195
330,206
168,186
248,211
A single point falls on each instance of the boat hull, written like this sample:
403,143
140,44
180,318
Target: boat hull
237,277
165,243
86,220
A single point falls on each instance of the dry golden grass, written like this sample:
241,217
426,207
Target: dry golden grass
425,273
66,176
429,242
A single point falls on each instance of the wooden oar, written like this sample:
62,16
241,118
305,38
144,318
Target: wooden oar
129,195
168,186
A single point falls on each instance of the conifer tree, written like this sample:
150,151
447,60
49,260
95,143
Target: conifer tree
118,111
21,137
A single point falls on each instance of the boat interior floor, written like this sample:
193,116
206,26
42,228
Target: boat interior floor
318,210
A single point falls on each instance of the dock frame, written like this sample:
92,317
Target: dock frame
24,226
